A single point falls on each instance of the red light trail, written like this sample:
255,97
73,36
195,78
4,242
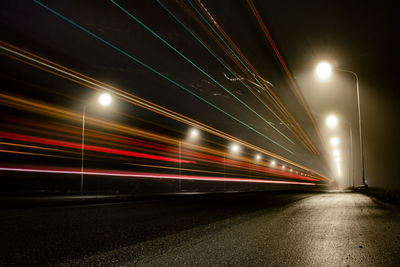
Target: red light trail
154,176
47,141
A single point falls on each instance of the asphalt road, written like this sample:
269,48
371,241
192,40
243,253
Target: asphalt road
270,229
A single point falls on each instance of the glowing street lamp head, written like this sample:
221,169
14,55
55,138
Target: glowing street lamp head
283,167
323,71
235,148
273,162
332,121
194,133
336,152
105,99
334,141
258,157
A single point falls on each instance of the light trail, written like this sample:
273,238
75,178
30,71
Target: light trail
97,85
201,70
294,85
253,70
242,164
198,156
239,64
214,54
155,176
53,142
34,154
162,75
35,147
220,172
271,98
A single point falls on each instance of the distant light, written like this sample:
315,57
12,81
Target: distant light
194,133
291,170
258,157
105,99
283,166
273,162
323,71
334,141
235,148
336,152
331,121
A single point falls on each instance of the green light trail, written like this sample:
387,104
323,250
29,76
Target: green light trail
157,72
233,53
201,70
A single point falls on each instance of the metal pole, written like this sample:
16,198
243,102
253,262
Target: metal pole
359,125
83,145
350,159
180,164
224,169
351,156
348,167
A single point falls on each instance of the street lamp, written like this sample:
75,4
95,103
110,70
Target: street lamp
193,135
104,100
235,148
336,152
332,121
323,72
258,157
347,124
334,141
273,163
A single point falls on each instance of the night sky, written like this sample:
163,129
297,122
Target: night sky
129,53
355,36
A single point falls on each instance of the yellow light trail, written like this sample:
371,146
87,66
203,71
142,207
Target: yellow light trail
35,154
74,76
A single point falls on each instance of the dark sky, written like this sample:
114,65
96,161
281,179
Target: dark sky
356,36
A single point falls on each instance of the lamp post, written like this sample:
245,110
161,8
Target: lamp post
224,170
194,134
234,149
324,71
180,165
332,121
351,174
104,100
83,145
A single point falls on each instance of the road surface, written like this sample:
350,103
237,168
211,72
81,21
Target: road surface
271,229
